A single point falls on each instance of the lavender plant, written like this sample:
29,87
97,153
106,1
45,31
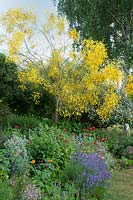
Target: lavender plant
89,173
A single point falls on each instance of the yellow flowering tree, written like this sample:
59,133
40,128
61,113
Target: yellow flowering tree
75,77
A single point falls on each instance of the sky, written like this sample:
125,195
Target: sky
38,6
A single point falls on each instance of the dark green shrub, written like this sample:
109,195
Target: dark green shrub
23,122
4,114
121,147
8,78
24,102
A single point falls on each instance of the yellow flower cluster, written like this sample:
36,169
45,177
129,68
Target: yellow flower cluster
30,75
74,35
94,53
60,25
129,86
55,23
110,102
15,43
51,20
112,74
17,16
18,24
55,62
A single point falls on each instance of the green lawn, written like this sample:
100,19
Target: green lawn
121,186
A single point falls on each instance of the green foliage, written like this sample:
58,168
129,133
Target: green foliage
3,165
24,103
121,146
102,20
49,150
71,126
4,113
55,192
23,122
125,162
48,144
71,173
117,142
8,79
6,192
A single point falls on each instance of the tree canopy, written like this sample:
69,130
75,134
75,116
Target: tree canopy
103,20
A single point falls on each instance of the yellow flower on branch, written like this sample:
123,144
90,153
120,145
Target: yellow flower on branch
74,35
129,86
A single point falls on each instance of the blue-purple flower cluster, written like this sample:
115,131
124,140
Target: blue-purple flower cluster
95,172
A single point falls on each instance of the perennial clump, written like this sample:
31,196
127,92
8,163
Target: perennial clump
95,172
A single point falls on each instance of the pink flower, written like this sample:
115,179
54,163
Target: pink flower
17,126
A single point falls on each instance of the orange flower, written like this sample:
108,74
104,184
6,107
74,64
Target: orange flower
50,161
33,161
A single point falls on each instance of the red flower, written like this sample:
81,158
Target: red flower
95,143
84,129
65,130
17,126
92,128
87,134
